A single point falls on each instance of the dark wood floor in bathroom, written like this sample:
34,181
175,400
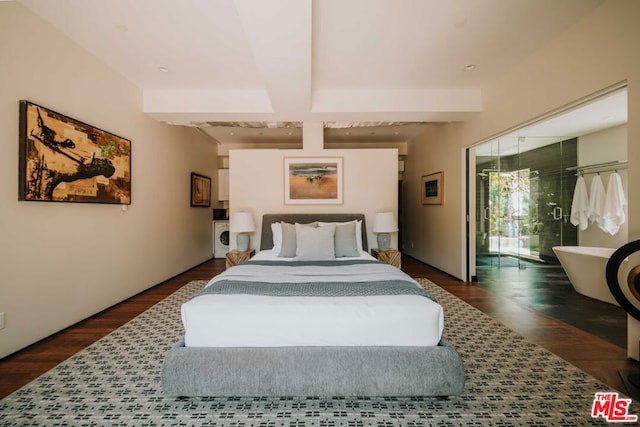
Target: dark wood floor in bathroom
596,356
546,289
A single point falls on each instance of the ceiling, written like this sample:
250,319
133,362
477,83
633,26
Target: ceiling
202,62
604,112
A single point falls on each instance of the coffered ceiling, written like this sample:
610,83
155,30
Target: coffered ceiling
202,62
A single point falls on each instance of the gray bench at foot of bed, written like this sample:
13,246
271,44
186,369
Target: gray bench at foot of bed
313,371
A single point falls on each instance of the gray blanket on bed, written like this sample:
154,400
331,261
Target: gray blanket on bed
314,279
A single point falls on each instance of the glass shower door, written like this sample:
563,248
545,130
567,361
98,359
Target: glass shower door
551,195
487,223
523,200
509,211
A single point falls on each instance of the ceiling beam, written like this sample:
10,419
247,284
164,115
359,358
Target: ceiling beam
279,34
397,101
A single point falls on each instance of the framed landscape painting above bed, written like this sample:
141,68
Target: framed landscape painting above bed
313,180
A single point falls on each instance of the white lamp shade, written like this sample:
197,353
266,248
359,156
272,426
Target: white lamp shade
242,222
384,222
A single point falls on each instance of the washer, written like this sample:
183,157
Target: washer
220,238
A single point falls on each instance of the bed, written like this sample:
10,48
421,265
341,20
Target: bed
314,325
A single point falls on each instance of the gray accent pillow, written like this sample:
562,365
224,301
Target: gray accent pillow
346,244
358,224
315,243
288,248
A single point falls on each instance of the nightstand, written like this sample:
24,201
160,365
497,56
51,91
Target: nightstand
391,257
235,257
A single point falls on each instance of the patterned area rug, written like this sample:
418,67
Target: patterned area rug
116,382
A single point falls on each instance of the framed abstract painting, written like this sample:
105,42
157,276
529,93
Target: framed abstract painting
200,190
64,160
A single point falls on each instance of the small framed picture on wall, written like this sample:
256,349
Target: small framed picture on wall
200,190
433,189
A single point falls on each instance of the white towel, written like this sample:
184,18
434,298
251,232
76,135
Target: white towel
580,205
596,200
613,215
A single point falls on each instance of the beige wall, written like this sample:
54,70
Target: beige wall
580,62
256,184
432,233
605,146
62,262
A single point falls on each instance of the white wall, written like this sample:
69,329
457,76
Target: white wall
574,65
256,184
62,262
599,147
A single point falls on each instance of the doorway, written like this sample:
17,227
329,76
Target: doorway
520,184
521,187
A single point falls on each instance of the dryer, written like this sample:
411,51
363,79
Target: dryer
220,238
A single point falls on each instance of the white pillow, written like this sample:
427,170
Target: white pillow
315,243
358,231
276,232
287,238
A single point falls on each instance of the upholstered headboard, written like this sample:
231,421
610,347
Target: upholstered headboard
266,238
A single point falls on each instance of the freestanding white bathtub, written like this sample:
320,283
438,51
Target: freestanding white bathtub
585,266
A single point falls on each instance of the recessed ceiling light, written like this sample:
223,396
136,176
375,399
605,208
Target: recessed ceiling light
163,69
470,67
231,133
396,133
347,133
289,133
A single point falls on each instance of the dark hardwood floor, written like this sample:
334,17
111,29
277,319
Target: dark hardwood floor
594,355
546,288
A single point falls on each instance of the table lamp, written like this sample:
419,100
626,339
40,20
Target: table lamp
384,223
242,223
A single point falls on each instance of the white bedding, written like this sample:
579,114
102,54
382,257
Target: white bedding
268,321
